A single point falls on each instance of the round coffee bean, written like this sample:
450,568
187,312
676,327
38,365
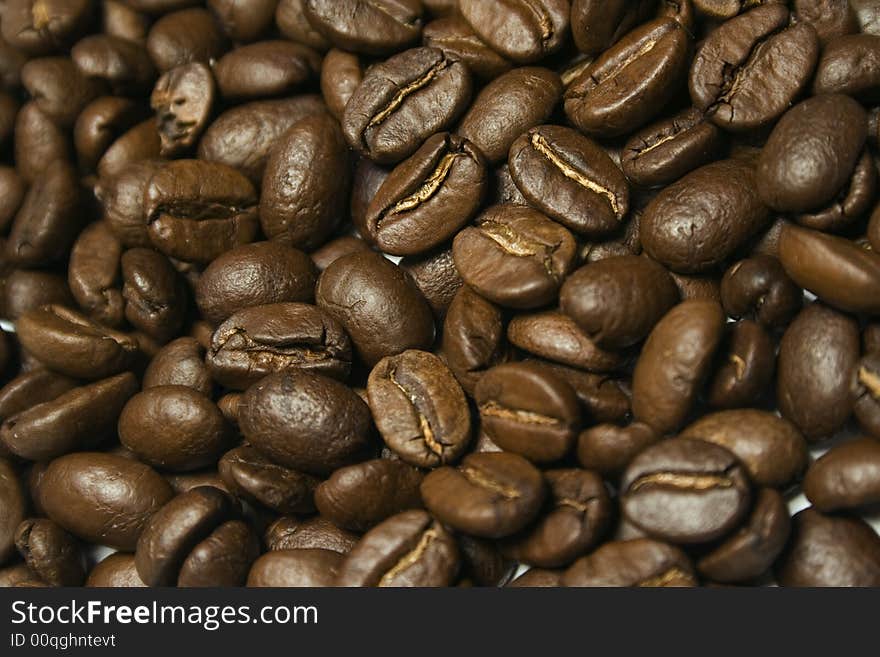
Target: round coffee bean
115,571
759,288
374,27
50,552
640,562
608,448
305,567
288,533
252,476
179,363
183,99
846,477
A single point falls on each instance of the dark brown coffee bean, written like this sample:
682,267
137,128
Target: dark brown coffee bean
155,299
597,24
435,275
27,289
244,20
491,495
604,399
830,18
336,248
640,562
522,31
305,421
361,496
12,192
746,371
115,571
71,344
514,256
181,362
629,83
404,100
845,477
50,552
852,202
278,337
58,88
752,549
126,20
830,551
419,408
457,39
287,533
293,24
182,99
39,27
13,509
79,419
608,448
427,198
865,389
31,388
697,223
817,357
93,274
371,27
734,77
579,517
685,491
507,107
618,300
295,568
409,549
674,363
102,498
341,73
538,577
759,288
39,144
140,142
265,69
124,65
850,65
181,37
252,476
380,309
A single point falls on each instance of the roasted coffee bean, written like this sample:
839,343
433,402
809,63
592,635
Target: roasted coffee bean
597,24
538,578
830,551
40,143
839,272
419,408
58,88
13,509
100,124
244,20
852,202
293,24
50,552
698,222
305,421
13,189
278,337
640,562
38,27
865,390
685,491
454,36
155,297
371,27
570,178
288,533
514,256
341,73
361,496
181,362
665,151
735,78
196,540
368,178
771,448
404,100
603,398
629,83
181,37
126,20
93,274
618,300
76,420
304,567
435,275
31,388
124,65
28,289
850,65
522,31
608,448
140,142
253,477
830,18
746,371
380,309
265,69
427,198
71,344
817,357
578,519
408,549
752,549
335,249
675,362
491,495
20,576
507,107
183,99
845,477
527,409
759,288
102,498
556,337
115,571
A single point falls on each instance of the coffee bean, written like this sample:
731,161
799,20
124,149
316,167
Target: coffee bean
31,388
58,88
845,477
155,297
93,274
141,142
288,533
374,27
341,73
852,202
522,31
538,577
50,552
865,389
685,491
13,510
454,36
293,24
115,571
264,69
641,562
746,371
181,37
295,568
608,448
123,64
759,288
435,275
244,21
597,24
336,248
183,99
180,362
850,65
255,478
39,26
603,399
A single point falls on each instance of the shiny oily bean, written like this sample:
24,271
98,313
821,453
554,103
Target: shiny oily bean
524,31
454,36
675,362
408,549
123,64
759,288
13,509
852,202
255,478
304,567
771,448
31,388
181,37
174,427
491,495
419,408
427,198
38,142
830,18
865,390
608,448
361,496
528,410
846,477
570,178
277,337
578,518
29,289
93,274
244,20
293,24
122,195
58,88
514,256
141,142
618,300
180,362
154,293
640,563
183,100
598,24
79,419
435,275
115,571
752,549
685,491
102,498
746,370
265,69
631,81
43,26
341,73
371,27
288,533
336,248
850,65
604,399
50,552
817,357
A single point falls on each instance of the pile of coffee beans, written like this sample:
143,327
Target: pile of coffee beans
426,292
